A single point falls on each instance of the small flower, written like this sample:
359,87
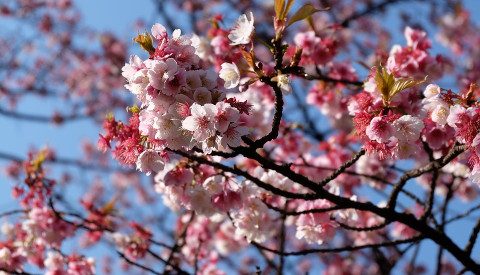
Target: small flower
166,127
476,144
150,161
440,114
432,90
233,136
242,30
54,261
458,115
159,32
475,174
202,121
408,128
284,84
5,254
379,129
202,96
404,150
230,74
225,115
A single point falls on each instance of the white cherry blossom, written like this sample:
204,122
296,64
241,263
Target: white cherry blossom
243,29
230,74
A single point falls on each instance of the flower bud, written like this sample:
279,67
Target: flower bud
146,42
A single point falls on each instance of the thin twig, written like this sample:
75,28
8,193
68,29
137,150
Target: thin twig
338,249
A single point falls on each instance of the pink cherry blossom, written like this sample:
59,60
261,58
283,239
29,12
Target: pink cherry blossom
380,129
202,121
232,137
315,227
225,115
431,90
150,161
407,128
159,32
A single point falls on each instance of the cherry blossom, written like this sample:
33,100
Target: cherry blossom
284,84
150,161
230,74
379,129
408,128
242,31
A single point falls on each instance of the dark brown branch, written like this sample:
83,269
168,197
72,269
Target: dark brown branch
338,249
342,168
12,212
300,72
439,237
369,228
98,227
10,157
137,264
57,119
434,165
178,269
176,244
463,215
282,242
368,10
431,194
380,179
246,175
473,238
277,116
412,260
298,213
311,126
64,161
439,261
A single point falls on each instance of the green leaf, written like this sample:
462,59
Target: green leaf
287,8
279,6
402,84
382,85
388,86
134,109
389,79
109,116
303,13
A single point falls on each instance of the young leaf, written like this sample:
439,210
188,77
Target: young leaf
109,206
382,85
287,8
303,13
279,6
388,86
39,159
404,83
249,58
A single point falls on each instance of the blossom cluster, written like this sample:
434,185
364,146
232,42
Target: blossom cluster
397,130
182,105
39,236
